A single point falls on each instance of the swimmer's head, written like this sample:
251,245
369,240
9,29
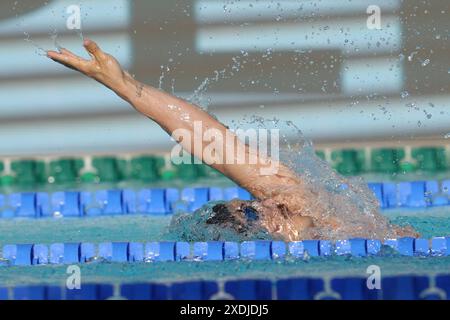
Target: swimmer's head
239,221
246,217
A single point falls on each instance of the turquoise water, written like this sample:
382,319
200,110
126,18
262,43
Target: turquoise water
430,222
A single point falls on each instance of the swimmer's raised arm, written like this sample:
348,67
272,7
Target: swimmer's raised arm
172,114
289,207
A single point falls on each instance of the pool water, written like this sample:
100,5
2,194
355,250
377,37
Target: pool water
143,228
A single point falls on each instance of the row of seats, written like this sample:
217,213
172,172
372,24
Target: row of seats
300,288
101,169
73,253
417,194
388,160
114,202
149,168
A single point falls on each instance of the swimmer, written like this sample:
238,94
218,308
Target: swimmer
286,206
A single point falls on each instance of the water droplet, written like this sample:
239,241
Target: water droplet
425,62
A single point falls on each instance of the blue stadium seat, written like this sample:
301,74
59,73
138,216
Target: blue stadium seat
412,194
195,197
105,251
114,251
445,187
129,201
57,253
5,210
358,247
216,194
421,247
160,251
87,252
209,251
389,195
231,250
353,289
443,283
66,204
299,288
195,290
152,201
434,195
278,249
403,287
40,254
392,243
256,250
65,253
90,292
111,201
43,205
373,246
296,249
4,294
173,199
405,246
182,251
342,247
29,293
28,205
355,247
19,255
312,247
136,252
23,204
120,251
440,246
325,248
89,205
36,293
144,291
249,289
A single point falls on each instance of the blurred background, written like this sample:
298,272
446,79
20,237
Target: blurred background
316,63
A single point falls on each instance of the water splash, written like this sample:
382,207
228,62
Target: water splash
341,207
39,50
54,37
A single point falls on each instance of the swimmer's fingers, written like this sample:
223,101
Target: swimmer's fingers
94,50
68,59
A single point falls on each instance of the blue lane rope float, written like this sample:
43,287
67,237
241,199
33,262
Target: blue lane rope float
167,201
133,252
401,287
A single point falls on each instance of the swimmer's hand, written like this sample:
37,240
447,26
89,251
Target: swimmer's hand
102,67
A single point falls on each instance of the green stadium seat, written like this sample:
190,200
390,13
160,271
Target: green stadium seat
320,154
65,170
348,161
430,159
165,169
144,168
387,160
29,172
110,169
187,172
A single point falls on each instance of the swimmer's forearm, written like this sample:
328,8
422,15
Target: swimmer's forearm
170,112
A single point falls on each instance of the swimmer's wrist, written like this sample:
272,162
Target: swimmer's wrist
124,87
